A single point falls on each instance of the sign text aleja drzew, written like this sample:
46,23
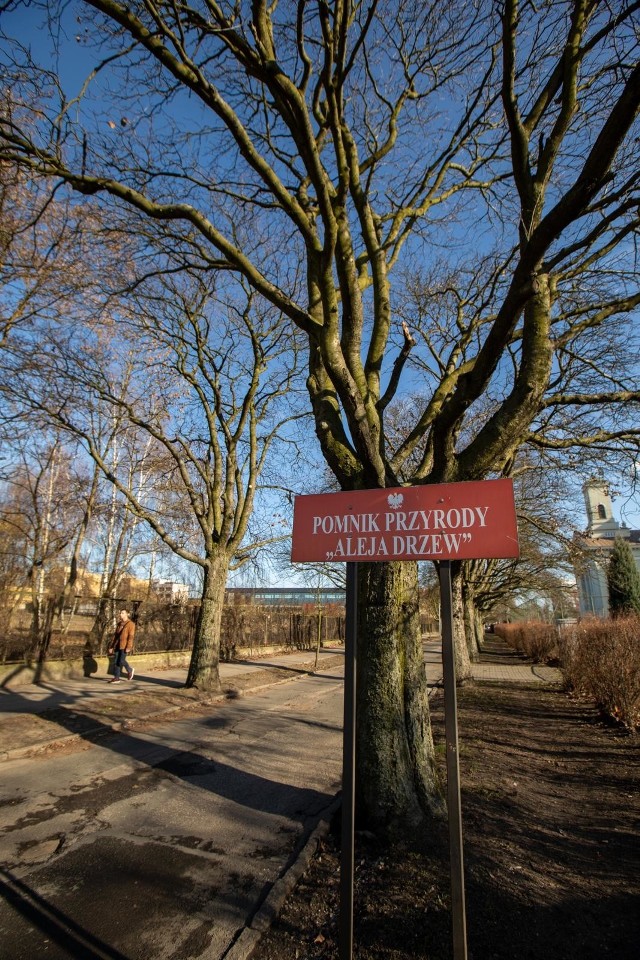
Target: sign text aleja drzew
464,521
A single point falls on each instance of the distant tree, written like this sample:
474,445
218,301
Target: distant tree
43,266
40,516
623,580
545,521
200,384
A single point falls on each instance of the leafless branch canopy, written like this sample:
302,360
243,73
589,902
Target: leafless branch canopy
469,168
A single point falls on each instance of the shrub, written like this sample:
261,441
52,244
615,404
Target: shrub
601,659
536,640
623,581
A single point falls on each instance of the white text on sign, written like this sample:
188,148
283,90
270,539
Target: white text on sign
458,520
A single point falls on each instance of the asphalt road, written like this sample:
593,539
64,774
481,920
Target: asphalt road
161,843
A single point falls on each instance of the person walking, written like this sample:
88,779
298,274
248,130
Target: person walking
122,645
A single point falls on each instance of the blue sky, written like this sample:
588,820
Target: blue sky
73,65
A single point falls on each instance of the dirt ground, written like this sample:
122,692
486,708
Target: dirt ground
551,811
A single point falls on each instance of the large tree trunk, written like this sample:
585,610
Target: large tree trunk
471,619
396,779
479,623
461,650
204,669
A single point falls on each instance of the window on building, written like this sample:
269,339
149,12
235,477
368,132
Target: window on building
602,513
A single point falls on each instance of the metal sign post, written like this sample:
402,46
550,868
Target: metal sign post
463,521
458,912
347,853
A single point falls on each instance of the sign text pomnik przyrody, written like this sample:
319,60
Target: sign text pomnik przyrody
476,519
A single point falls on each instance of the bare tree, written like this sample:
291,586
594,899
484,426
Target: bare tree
498,137
40,519
115,528
545,500
42,258
198,388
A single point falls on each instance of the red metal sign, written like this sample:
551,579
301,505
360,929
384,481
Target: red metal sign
449,521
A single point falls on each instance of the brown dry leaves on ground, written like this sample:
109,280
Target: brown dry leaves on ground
551,810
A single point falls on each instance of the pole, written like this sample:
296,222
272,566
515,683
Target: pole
453,770
347,853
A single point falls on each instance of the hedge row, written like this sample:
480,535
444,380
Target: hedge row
599,659
538,641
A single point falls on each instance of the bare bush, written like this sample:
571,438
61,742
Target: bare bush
601,659
536,640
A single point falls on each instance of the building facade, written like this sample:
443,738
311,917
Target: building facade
286,596
595,546
168,591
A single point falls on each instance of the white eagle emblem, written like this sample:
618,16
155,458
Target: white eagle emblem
395,500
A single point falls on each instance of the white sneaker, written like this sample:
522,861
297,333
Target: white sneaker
130,674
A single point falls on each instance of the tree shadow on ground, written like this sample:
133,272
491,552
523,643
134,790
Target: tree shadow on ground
57,926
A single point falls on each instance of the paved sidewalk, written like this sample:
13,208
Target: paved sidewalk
37,717
516,673
500,664
46,717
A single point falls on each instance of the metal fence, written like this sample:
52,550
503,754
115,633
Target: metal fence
86,627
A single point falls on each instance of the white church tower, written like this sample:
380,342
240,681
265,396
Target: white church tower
595,549
600,522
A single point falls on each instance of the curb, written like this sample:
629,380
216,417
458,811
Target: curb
269,911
